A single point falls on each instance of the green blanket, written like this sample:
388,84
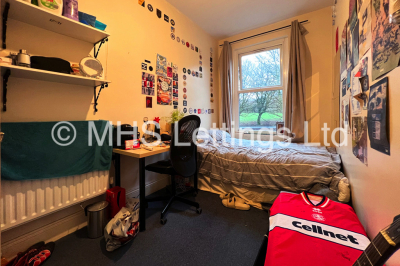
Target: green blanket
29,152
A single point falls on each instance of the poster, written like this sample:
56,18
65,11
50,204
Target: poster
344,87
343,52
363,69
365,20
360,139
377,117
164,91
349,50
148,84
352,13
355,106
354,44
385,40
355,82
345,113
348,79
161,69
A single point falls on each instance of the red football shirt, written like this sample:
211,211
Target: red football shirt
309,232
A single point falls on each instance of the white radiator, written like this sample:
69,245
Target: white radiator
23,201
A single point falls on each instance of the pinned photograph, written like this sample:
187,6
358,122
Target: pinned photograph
346,114
364,81
169,72
355,106
365,20
175,85
343,53
385,39
354,43
352,13
349,50
161,69
360,139
149,102
148,84
377,117
344,87
175,77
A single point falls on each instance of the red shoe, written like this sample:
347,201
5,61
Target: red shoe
41,255
21,257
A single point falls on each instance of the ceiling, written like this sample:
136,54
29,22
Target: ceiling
225,18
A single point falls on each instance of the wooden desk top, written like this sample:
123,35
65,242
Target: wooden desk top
142,153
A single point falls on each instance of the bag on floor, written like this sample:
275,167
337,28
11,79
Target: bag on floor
123,227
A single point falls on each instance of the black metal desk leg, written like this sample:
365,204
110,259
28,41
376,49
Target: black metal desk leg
142,194
117,181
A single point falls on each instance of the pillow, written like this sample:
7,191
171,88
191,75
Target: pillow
218,135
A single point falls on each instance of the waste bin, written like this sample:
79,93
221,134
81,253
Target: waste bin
97,214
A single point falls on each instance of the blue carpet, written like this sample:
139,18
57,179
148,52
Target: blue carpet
218,236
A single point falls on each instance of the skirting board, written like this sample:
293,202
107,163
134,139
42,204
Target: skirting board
53,231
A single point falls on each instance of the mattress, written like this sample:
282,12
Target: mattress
266,168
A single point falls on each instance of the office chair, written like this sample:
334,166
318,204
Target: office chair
183,162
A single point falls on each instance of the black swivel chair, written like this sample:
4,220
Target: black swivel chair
183,162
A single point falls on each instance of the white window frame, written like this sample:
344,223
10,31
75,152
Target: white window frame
239,52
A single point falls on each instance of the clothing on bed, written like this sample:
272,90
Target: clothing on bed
268,165
308,233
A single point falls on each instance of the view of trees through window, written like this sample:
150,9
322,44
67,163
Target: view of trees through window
265,107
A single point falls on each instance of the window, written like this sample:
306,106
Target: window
259,92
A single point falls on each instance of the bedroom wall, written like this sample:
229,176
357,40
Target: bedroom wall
375,189
136,35
319,90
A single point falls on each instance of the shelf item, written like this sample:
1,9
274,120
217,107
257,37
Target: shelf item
37,74
36,16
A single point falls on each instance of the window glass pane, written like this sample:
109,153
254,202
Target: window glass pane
260,109
261,70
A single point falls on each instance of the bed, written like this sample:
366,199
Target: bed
258,171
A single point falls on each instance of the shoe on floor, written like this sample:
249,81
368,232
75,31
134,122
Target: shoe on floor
22,255
234,203
230,195
41,255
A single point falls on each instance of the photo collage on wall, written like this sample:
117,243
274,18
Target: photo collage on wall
370,48
166,79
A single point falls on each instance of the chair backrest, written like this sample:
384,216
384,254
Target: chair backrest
183,152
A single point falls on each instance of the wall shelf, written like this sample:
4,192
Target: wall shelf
37,74
39,17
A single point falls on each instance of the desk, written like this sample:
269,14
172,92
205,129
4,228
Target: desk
141,154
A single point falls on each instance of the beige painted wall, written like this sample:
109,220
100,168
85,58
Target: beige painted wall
319,90
375,188
136,35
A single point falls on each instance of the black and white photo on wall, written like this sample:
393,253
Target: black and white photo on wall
378,126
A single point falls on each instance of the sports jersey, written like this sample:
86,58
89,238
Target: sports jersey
305,232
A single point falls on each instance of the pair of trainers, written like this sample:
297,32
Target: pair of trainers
34,255
231,201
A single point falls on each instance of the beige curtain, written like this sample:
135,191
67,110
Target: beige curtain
226,85
295,113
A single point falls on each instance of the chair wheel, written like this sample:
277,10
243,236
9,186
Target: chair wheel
163,221
199,210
